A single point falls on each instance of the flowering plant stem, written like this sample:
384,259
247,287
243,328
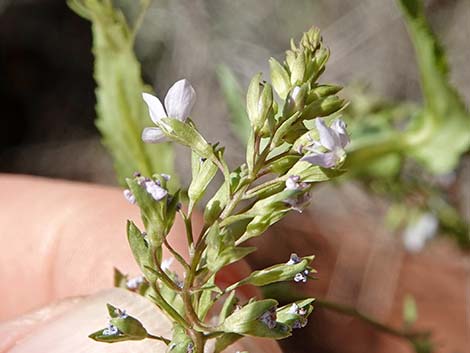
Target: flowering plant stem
284,148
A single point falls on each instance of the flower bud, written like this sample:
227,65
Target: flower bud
295,101
323,107
322,91
279,78
259,104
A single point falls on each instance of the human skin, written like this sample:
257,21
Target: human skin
60,242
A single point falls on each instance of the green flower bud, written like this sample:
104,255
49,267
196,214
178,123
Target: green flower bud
259,104
323,107
295,101
279,78
322,91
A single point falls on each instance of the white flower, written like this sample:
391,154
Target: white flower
419,232
334,139
179,101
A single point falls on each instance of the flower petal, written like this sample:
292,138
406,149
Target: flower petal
340,127
156,109
180,100
325,160
153,135
328,137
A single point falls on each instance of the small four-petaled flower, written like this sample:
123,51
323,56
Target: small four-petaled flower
332,139
179,101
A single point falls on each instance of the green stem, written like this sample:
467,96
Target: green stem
159,338
176,255
351,311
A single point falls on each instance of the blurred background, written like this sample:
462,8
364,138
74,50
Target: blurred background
47,100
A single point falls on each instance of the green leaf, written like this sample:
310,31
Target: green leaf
441,133
120,279
206,300
259,224
228,307
217,203
225,340
228,256
141,251
153,213
203,173
121,111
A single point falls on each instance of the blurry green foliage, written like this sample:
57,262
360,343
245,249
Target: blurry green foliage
235,102
121,112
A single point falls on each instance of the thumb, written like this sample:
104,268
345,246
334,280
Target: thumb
64,327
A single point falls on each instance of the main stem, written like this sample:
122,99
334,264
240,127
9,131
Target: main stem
198,337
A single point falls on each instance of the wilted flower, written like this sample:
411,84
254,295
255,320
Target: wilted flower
155,190
299,202
179,101
269,318
334,139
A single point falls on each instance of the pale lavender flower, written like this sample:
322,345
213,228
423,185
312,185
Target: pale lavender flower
179,101
293,309
294,259
300,277
129,196
293,183
155,190
121,313
111,330
134,283
332,139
